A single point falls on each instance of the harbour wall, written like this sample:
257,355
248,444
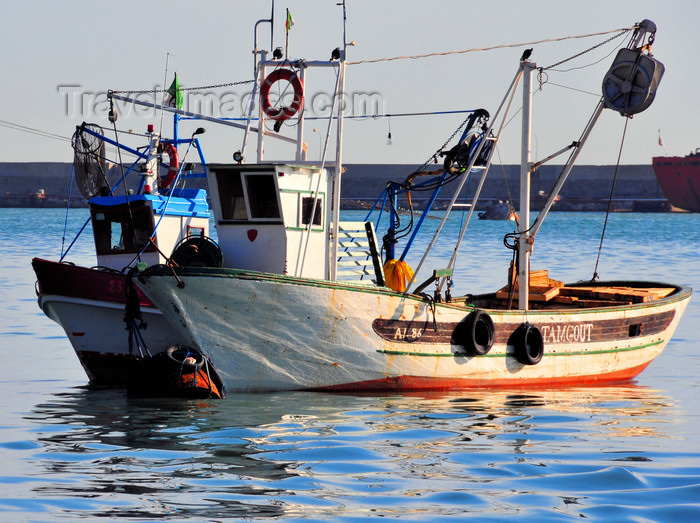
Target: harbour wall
48,184
587,188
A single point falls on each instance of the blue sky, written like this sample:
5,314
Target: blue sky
55,53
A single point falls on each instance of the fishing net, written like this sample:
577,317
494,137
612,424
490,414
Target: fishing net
89,160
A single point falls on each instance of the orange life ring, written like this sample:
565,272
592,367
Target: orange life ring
174,163
283,113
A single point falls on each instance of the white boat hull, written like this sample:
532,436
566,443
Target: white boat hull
98,334
268,332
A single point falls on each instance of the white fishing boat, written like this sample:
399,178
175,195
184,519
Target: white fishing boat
305,301
107,320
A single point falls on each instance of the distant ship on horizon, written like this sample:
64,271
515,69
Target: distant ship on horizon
679,178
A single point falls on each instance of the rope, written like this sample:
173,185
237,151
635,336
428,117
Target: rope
545,80
407,185
165,208
607,212
132,316
132,133
392,115
113,119
505,178
32,130
70,195
503,46
318,183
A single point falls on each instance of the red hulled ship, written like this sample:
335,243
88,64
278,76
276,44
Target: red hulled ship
679,177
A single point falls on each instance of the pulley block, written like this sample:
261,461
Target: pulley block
630,85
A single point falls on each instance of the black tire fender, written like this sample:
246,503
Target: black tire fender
528,344
476,333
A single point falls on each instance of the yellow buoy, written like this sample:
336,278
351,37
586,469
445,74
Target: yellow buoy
397,274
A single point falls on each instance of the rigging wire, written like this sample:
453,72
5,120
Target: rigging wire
597,95
435,155
505,179
590,64
336,94
390,115
607,212
70,196
502,46
165,82
406,185
477,120
113,119
32,130
619,34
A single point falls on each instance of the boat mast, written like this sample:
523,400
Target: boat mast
150,178
338,149
524,238
259,56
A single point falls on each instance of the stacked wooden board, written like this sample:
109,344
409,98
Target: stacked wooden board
545,292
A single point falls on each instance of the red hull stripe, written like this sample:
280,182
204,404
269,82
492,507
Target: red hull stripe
408,383
62,279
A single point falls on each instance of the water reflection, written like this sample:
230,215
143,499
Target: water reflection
316,454
624,453
175,452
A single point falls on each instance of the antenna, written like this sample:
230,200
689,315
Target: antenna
165,82
271,20
272,26
345,19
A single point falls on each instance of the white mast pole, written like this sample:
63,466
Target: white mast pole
261,114
338,152
524,242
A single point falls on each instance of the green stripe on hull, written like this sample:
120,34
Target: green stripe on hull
501,355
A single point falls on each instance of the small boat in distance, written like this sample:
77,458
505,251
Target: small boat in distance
679,178
498,210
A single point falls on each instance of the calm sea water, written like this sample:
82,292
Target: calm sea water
625,453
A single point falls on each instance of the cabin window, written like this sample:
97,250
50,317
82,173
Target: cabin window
231,197
635,330
248,196
307,204
197,232
262,196
118,229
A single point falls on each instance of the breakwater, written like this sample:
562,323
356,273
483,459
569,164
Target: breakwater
49,184
587,188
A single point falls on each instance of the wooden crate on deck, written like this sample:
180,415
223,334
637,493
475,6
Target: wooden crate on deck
544,290
542,287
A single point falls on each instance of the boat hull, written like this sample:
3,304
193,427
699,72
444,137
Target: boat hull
679,178
269,332
89,305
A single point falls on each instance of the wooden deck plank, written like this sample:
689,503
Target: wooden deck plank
536,293
636,295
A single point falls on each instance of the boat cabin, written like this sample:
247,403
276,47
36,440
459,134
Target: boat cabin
122,225
264,217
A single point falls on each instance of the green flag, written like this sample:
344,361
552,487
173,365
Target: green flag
290,21
174,98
